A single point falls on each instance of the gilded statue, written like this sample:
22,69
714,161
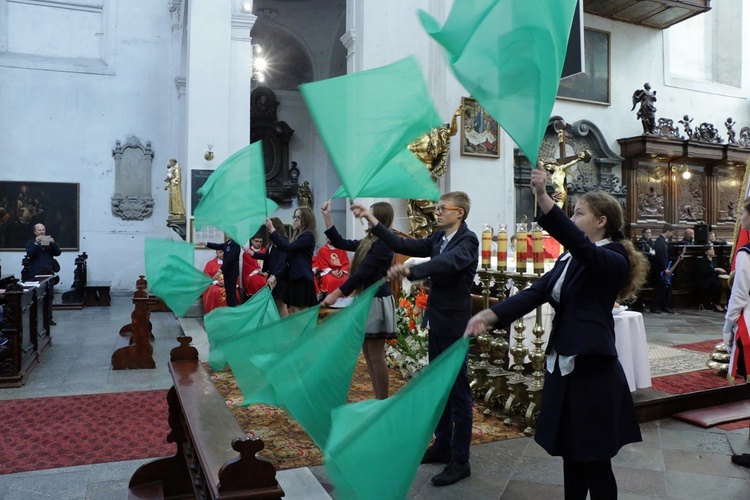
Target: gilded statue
305,195
174,184
558,174
432,149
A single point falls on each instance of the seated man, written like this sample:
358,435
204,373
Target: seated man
689,238
253,278
333,265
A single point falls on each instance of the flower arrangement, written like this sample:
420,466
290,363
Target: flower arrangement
408,351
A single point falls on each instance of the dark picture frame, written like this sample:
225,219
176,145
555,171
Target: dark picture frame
479,131
25,204
593,85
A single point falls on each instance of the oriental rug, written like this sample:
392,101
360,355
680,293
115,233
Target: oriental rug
288,446
63,431
693,381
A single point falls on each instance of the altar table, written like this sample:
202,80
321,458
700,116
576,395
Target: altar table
632,349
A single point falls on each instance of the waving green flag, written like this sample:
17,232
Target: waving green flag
375,446
509,55
177,282
367,120
397,179
314,374
270,341
225,324
157,251
232,195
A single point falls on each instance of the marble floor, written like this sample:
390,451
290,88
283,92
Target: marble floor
675,460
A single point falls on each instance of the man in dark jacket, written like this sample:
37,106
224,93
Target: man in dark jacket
662,298
454,252
230,267
41,252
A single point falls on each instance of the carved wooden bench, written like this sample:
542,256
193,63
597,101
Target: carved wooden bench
214,459
96,293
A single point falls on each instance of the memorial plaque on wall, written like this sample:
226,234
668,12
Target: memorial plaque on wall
197,179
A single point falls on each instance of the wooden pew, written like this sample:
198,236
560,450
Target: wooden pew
26,326
136,351
214,459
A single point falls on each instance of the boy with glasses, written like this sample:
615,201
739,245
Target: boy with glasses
454,252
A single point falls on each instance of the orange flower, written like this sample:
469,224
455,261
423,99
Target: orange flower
412,325
421,301
403,303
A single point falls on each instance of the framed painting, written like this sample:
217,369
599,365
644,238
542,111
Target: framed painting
479,131
25,204
593,84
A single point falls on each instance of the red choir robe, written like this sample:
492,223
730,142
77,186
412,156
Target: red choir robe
252,273
215,295
331,259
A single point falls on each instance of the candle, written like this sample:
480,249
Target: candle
537,248
486,246
521,247
502,247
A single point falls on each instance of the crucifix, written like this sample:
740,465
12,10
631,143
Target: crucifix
557,168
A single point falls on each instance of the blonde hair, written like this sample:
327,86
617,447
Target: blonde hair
459,199
306,220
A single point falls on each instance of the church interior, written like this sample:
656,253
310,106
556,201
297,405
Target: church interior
132,106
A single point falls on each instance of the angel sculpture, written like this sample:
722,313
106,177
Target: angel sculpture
729,124
686,120
647,112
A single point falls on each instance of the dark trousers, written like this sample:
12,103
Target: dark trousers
454,427
662,298
230,286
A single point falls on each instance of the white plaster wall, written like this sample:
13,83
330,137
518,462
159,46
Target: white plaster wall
61,127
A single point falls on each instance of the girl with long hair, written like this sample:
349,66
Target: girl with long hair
371,261
300,292
587,412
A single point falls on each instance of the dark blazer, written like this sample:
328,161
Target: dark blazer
583,322
451,273
662,254
274,261
41,257
230,267
705,272
299,254
373,267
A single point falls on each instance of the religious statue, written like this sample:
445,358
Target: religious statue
729,124
686,120
558,173
304,195
432,149
174,184
647,111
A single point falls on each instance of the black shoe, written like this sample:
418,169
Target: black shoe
654,311
52,322
743,460
668,311
436,455
452,474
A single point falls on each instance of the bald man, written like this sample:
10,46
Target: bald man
42,251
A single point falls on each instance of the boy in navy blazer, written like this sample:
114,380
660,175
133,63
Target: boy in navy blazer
454,252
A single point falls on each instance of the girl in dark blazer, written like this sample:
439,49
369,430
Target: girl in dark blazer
371,261
587,412
300,292
274,267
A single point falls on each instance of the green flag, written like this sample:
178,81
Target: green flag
269,342
367,120
178,284
509,55
397,179
157,251
375,446
225,324
313,376
232,194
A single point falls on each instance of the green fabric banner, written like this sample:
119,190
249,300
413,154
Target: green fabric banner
178,284
269,342
225,324
375,447
231,195
367,120
509,55
313,375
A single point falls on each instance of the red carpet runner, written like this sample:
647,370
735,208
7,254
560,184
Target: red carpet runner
47,433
